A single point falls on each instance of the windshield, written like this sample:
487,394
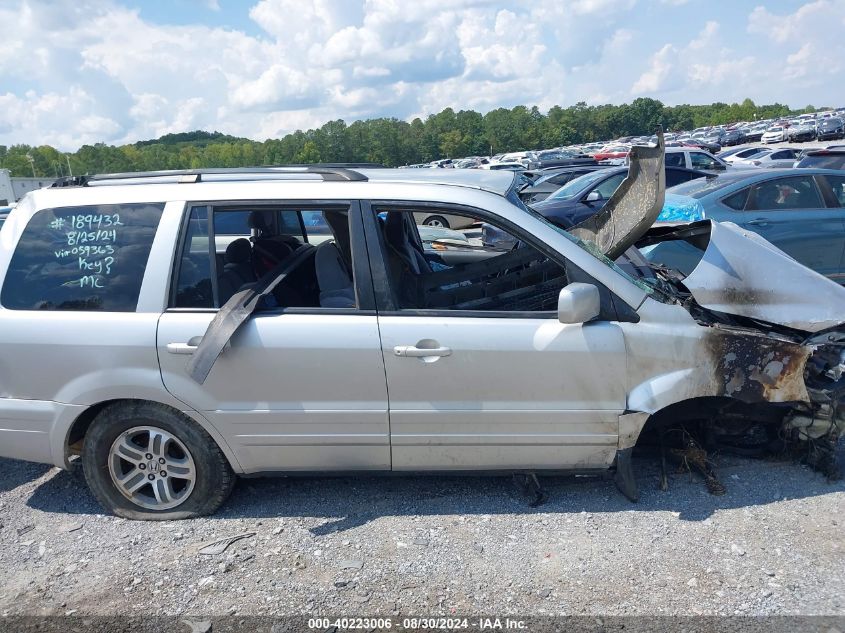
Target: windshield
775,129
641,281
577,185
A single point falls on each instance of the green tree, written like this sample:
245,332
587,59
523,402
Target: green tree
308,154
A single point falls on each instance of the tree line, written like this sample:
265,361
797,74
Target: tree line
389,141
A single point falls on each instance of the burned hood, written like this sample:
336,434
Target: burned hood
740,273
633,207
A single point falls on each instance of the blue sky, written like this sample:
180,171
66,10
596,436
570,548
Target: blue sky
85,71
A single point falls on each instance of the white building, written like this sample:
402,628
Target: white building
13,189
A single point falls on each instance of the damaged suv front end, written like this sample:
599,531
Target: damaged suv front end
737,346
774,338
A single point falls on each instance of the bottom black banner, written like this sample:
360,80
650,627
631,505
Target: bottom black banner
371,624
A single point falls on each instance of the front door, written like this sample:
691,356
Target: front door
480,372
301,384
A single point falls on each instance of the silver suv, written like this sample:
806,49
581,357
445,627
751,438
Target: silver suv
177,329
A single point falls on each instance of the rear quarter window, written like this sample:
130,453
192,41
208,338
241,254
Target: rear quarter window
737,200
88,258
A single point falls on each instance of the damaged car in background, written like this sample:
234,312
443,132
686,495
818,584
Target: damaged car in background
299,321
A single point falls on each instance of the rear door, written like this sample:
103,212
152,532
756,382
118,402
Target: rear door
791,213
481,374
299,386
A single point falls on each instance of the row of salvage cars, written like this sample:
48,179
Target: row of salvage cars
361,341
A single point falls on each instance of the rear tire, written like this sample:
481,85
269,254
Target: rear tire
146,461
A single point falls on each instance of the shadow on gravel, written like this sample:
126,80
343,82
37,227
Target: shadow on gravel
351,501
14,473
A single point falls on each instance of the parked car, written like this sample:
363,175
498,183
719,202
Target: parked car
775,134
779,157
585,196
802,133
553,180
800,212
726,153
560,158
612,152
830,129
744,154
732,137
441,220
4,213
503,166
753,135
701,143
823,158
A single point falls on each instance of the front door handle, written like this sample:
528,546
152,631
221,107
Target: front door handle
421,352
758,222
185,348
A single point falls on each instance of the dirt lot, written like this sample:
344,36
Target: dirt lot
436,545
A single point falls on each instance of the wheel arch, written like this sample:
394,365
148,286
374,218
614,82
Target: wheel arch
634,425
73,439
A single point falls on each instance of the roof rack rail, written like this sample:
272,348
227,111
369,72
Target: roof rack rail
329,172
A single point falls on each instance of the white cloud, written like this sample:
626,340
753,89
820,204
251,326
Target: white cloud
659,70
82,71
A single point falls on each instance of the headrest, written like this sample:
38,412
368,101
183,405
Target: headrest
260,220
238,252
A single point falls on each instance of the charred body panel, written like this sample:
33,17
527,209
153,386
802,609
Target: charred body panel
772,356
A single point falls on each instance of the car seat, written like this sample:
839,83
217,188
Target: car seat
333,263
237,269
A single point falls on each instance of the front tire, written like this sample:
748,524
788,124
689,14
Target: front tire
143,460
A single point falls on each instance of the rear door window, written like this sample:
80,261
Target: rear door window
241,245
89,258
794,192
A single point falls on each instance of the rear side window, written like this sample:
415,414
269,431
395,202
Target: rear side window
82,258
737,201
797,192
675,159
214,265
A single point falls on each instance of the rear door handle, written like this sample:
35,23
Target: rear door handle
758,222
421,352
185,348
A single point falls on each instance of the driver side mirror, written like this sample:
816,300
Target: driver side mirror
578,303
593,196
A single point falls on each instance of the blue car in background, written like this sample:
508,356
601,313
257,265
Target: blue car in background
802,212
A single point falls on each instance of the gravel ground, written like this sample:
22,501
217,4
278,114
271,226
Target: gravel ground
436,545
